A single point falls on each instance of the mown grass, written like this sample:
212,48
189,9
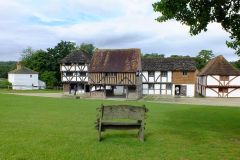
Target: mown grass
30,91
48,128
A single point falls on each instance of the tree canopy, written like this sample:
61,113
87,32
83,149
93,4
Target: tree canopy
5,67
203,57
199,13
47,62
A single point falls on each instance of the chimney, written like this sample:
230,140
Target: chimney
19,65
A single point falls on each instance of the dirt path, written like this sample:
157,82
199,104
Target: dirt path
200,101
158,99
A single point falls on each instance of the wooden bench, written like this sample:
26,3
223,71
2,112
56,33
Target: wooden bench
111,117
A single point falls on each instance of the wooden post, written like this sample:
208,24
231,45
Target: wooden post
126,92
105,96
84,88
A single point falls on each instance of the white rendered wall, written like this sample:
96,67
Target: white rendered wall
211,80
211,92
190,90
169,76
235,93
24,81
235,81
157,76
145,76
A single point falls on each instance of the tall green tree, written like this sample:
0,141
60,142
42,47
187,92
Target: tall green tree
88,48
5,67
203,57
199,13
47,62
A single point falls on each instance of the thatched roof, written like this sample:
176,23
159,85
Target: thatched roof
116,60
168,64
77,56
219,66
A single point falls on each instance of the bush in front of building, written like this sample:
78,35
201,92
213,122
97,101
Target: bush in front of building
4,83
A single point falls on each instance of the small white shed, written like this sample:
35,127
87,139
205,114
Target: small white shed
24,78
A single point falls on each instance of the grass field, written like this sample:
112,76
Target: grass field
48,128
30,91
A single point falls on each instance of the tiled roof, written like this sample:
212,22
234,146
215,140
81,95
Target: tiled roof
23,70
219,66
168,64
77,56
116,60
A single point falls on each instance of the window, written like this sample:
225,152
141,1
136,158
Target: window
110,74
30,76
69,74
150,86
83,74
223,90
224,78
164,74
150,74
169,87
185,73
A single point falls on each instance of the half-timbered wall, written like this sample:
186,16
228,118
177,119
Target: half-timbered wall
74,72
164,89
157,82
217,86
74,67
156,77
113,78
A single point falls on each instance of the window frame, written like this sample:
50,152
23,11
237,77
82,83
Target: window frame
151,88
165,73
151,73
185,73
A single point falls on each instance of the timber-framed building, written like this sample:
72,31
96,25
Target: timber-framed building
169,76
74,72
219,79
115,72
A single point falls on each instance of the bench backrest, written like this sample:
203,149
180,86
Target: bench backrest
123,112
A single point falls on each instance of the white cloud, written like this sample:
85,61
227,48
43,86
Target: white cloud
109,24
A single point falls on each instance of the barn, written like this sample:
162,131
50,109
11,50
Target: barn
169,76
23,78
115,72
74,72
219,79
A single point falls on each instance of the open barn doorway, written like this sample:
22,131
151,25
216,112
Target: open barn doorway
115,92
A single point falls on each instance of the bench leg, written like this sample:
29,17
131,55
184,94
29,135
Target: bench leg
99,136
99,132
141,134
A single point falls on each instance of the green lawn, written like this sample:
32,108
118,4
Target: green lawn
48,128
31,91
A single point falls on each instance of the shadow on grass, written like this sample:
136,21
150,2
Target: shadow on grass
123,136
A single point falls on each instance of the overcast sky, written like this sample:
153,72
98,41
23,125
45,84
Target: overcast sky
107,24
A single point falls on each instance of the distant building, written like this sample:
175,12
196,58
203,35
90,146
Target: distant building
219,79
169,76
74,72
23,78
115,72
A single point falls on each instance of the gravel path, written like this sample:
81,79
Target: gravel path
158,99
198,101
